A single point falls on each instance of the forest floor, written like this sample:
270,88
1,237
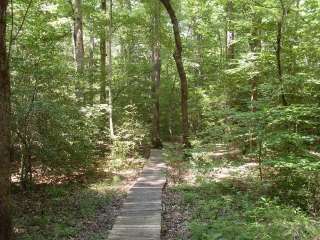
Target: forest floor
215,194
218,194
82,208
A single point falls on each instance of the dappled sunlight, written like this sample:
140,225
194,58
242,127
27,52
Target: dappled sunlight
75,208
63,211
241,209
218,174
196,118
225,197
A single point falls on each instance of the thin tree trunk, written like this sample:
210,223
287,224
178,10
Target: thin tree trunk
200,55
181,71
26,167
5,219
130,45
230,35
91,67
171,106
110,75
127,45
280,25
255,47
156,140
103,49
229,54
79,46
199,83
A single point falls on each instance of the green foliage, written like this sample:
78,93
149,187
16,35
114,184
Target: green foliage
229,210
58,130
61,212
131,136
57,136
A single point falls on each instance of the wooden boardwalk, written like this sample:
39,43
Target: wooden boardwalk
140,216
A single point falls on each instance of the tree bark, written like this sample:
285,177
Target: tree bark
110,73
126,44
103,50
255,47
156,140
230,35
26,165
78,45
182,74
91,66
5,219
280,25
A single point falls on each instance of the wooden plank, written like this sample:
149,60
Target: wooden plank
140,216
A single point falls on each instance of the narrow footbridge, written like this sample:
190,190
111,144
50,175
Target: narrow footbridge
140,216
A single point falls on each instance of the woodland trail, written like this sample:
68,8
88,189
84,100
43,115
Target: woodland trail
140,216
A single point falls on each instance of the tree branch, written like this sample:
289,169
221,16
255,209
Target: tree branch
13,39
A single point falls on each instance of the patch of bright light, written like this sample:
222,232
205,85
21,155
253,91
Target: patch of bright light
49,7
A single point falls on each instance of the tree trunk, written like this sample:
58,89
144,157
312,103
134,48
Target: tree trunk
230,35
91,69
103,49
91,94
181,71
255,47
26,167
110,75
78,45
127,45
156,140
280,24
5,219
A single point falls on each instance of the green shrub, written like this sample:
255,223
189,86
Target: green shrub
230,211
131,135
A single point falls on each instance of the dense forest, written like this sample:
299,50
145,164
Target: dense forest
228,89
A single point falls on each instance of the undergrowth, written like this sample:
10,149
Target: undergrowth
59,211
71,208
233,210
238,207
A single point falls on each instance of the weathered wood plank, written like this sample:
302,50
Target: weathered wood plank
140,216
